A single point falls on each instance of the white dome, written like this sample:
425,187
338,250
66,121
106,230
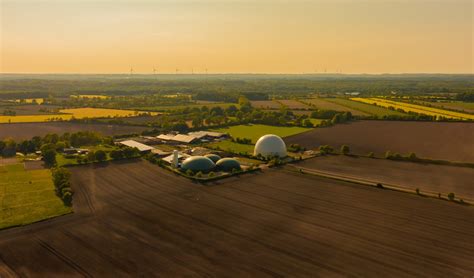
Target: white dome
270,145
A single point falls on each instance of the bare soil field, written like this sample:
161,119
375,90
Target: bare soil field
429,177
265,104
327,105
436,140
293,104
138,219
24,131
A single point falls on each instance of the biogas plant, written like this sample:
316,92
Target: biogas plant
204,164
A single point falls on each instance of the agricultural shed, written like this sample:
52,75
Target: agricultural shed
181,156
134,144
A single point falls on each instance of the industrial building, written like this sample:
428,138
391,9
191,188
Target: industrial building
198,163
270,145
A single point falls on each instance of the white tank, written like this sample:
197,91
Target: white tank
270,145
175,158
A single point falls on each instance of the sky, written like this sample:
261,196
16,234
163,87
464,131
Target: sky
236,36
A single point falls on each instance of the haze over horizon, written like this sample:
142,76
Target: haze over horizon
236,36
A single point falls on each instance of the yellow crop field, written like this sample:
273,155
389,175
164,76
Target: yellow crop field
78,113
31,100
90,96
34,118
408,107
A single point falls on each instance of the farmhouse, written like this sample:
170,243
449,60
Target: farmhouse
191,137
134,144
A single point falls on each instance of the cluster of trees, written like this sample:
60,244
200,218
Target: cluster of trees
62,184
8,147
239,140
295,148
468,97
9,112
125,152
122,85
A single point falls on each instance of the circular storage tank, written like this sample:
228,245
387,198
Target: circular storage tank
213,157
228,164
198,163
270,145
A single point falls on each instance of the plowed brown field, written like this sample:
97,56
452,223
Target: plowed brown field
436,140
24,131
327,105
137,219
432,178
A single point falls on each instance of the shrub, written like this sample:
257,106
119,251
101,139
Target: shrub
212,174
199,174
388,154
117,154
100,155
412,156
189,172
91,156
325,149
345,149
371,155
451,196
417,191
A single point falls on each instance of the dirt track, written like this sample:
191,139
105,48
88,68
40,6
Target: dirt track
448,141
137,219
24,131
430,177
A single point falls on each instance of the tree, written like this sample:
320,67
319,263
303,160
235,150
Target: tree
307,123
100,155
49,157
345,149
61,180
9,148
91,156
451,196
116,154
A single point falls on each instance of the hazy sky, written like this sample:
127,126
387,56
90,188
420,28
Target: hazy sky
254,36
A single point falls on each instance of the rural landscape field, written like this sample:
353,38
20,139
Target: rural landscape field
201,138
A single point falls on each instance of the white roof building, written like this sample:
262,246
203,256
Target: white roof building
134,144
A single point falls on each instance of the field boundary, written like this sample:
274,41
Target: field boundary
371,183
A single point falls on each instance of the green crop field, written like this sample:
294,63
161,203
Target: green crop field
27,196
232,147
224,105
254,132
366,108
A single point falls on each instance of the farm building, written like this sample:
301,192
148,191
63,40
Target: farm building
134,144
75,151
181,156
177,138
270,145
208,135
198,163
